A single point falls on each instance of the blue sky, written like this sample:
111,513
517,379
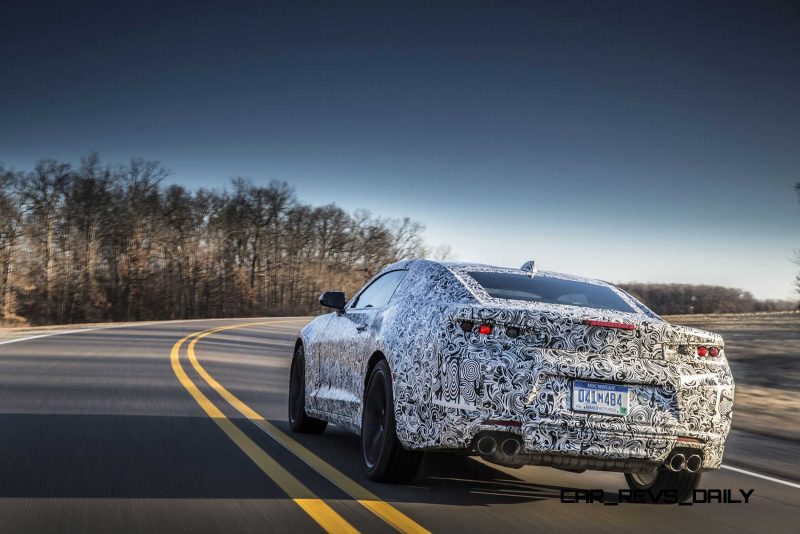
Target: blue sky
615,140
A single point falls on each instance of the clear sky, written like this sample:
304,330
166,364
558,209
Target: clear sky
623,141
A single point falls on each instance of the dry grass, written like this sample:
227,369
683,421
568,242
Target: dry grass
768,411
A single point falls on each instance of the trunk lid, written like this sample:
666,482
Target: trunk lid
589,330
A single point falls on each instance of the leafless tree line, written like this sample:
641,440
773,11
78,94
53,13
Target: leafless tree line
98,242
669,299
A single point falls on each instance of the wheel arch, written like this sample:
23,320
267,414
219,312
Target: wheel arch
371,363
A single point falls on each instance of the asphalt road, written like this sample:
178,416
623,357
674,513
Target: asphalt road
116,430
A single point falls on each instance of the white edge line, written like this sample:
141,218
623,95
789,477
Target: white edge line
132,325
59,333
765,477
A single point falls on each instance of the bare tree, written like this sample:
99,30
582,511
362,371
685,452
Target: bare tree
10,222
87,205
43,192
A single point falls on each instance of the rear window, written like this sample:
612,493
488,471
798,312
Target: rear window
550,290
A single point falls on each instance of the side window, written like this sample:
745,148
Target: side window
380,291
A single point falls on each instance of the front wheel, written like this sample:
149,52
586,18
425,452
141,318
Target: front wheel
384,457
663,486
298,420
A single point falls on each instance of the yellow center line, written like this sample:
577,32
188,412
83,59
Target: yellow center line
315,507
362,495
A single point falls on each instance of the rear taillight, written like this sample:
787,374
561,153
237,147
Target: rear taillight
703,351
487,328
469,326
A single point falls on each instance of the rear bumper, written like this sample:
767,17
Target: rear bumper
572,447
677,408
493,386
650,448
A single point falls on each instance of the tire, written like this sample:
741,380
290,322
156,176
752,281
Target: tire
682,483
384,457
299,421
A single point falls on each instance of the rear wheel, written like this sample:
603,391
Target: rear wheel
384,457
664,486
298,420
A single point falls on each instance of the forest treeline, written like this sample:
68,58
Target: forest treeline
95,242
668,299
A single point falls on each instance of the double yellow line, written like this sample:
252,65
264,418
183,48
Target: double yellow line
315,507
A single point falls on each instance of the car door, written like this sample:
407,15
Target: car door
348,340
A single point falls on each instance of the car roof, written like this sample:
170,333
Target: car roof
466,267
460,269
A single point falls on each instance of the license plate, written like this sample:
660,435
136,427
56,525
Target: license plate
594,397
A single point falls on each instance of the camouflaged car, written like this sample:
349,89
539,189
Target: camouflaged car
518,366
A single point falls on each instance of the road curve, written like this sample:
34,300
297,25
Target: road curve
100,432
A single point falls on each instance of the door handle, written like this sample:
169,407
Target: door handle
361,327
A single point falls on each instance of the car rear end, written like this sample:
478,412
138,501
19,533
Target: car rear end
579,387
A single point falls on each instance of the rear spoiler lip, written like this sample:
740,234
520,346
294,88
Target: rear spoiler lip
609,324
491,314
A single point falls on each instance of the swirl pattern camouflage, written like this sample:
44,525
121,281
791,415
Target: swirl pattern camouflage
469,357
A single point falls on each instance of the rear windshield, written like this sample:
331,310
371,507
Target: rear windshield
550,290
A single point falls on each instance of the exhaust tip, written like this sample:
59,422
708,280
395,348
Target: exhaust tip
677,462
510,447
487,445
694,463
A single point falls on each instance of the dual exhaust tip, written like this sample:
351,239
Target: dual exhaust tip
488,446
679,462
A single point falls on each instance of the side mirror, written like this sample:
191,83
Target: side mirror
333,299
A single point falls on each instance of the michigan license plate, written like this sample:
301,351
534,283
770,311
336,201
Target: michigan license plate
594,397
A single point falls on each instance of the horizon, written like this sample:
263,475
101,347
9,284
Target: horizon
647,145
431,246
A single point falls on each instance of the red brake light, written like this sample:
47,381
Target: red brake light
702,351
609,324
713,352
485,329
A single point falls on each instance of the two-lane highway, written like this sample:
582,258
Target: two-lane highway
181,427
